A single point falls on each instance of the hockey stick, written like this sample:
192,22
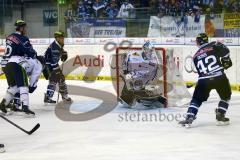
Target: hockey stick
28,132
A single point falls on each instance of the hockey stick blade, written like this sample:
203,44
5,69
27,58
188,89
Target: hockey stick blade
14,124
34,129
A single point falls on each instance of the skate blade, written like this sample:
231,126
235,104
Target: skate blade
67,102
220,123
186,125
49,104
2,150
29,115
6,114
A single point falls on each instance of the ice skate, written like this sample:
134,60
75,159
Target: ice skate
3,107
48,100
187,122
66,99
2,149
221,119
27,112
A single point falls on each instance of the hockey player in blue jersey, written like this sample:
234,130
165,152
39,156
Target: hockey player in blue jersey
53,55
18,48
210,60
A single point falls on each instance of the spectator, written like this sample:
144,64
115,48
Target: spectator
98,8
124,10
82,10
69,14
89,7
112,10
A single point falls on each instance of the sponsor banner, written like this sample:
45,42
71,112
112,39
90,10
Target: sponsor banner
40,41
172,40
83,41
129,41
190,41
226,41
231,20
232,32
103,41
98,28
168,26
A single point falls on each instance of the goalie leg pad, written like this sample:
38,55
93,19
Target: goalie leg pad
127,96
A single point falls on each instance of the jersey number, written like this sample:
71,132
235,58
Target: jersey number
208,65
8,51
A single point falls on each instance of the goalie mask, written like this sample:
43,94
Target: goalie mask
148,47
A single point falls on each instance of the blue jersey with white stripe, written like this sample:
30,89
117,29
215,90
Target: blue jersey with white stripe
207,59
53,55
17,45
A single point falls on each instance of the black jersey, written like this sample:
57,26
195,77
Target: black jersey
17,45
207,59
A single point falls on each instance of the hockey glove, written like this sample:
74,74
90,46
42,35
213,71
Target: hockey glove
226,62
64,56
32,89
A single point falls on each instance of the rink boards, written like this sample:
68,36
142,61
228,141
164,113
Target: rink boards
92,58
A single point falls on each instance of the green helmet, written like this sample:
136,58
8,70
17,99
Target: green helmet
202,38
59,34
20,23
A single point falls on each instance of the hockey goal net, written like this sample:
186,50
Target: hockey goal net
170,82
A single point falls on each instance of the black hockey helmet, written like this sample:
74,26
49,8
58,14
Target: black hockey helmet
202,38
59,34
19,23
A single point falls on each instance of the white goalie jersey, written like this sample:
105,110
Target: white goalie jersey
32,67
141,68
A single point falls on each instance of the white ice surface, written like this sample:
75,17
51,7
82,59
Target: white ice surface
106,138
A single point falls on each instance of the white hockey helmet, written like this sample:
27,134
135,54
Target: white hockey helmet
147,47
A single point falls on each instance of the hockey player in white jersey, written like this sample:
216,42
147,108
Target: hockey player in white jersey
139,71
17,71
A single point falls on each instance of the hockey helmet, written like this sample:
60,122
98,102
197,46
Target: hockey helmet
59,34
148,47
19,23
202,38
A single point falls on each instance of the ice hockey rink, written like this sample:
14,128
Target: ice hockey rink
112,138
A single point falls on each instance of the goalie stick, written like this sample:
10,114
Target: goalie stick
14,124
